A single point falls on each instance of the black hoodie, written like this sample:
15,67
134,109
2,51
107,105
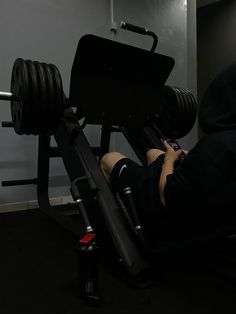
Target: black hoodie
217,111
211,165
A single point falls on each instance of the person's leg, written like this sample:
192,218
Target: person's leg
107,163
152,154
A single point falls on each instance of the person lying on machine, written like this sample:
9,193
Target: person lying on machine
165,185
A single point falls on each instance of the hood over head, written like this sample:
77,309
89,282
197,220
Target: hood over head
217,110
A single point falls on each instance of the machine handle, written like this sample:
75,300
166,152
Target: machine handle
142,31
133,28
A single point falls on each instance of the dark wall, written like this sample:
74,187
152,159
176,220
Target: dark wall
216,41
49,31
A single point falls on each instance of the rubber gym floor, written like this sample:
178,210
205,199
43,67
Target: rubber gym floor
39,276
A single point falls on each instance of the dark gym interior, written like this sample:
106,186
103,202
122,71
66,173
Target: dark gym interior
66,246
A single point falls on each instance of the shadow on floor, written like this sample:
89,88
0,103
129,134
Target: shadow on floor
38,275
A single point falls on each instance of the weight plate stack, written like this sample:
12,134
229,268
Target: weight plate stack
177,112
39,91
58,105
21,108
35,97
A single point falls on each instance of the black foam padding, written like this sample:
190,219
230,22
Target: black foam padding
117,84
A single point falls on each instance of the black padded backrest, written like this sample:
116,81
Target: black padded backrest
117,84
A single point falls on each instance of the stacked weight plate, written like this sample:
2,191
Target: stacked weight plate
177,112
39,97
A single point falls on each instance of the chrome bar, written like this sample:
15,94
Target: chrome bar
7,96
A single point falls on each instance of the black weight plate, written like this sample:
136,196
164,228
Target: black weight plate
35,96
178,112
194,102
20,86
43,105
51,90
26,99
175,104
55,91
188,123
15,105
59,104
191,95
190,112
192,115
166,114
187,119
183,117
182,104
60,93
54,104
192,109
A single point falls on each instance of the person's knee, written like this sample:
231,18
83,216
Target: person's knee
153,153
150,153
108,160
107,163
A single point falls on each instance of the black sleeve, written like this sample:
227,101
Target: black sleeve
197,176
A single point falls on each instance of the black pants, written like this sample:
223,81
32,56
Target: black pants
144,183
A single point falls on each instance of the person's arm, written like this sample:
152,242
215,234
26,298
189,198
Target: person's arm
171,156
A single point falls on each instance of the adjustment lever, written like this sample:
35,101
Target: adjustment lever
128,193
137,226
79,201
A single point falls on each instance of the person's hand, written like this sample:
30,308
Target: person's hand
171,155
